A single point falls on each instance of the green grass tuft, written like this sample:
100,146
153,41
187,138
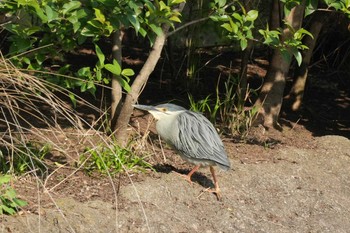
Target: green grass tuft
24,158
112,160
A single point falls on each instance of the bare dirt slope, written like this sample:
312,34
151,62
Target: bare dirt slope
294,189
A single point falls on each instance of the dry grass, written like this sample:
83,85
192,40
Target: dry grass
33,110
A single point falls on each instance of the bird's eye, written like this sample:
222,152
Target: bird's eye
163,109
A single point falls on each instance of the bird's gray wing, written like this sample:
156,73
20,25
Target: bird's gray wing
198,139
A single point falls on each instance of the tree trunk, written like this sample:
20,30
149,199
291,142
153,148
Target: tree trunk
140,81
271,95
295,96
275,20
276,15
122,120
116,95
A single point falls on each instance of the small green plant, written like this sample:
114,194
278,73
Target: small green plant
242,120
201,105
111,160
206,106
236,116
24,158
9,203
229,107
209,106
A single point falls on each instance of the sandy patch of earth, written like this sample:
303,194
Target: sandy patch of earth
293,189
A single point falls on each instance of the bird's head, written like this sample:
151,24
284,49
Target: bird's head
162,110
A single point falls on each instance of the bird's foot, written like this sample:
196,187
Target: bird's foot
186,177
189,175
216,191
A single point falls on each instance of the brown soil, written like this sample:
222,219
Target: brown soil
286,181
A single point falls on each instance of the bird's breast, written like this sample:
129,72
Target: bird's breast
168,129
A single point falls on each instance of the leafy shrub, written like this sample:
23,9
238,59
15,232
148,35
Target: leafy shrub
9,203
41,33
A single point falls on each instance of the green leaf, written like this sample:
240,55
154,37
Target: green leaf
262,32
13,28
26,60
31,30
73,18
234,28
311,7
70,6
162,6
224,18
88,31
40,58
151,7
123,83
227,26
105,80
215,18
83,87
81,13
175,19
20,45
303,31
142,32
336,5
40,13
249,35
96,24
73,99
243,43
134,22
173,2
76,26
91,85
84,72
19,202
100,55
238,17
8,210
289,4
252,15
51,15
100,16
158,30
127,72
298,57
114,68
4,179
221,3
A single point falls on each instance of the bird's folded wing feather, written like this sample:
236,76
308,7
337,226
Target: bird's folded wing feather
198,139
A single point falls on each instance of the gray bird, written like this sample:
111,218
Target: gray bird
192,135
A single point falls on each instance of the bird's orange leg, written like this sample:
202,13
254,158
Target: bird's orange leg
216,189
189,175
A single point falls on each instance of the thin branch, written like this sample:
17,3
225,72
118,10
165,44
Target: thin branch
187,25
